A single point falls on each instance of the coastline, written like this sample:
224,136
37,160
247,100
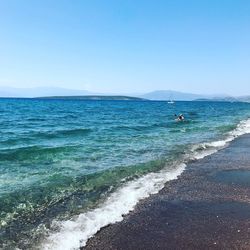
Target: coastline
207,207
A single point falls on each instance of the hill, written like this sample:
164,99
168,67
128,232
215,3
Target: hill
219,99
244,98
94,97
170,94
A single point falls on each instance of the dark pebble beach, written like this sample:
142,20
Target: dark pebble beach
207,207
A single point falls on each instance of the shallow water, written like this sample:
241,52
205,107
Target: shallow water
61,159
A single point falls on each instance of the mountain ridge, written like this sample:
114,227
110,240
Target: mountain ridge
94,97
163,95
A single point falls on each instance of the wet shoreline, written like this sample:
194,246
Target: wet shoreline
208,207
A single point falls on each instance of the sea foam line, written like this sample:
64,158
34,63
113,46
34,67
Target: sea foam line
208,148
74,233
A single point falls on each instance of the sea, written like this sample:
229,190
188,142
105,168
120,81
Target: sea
70,167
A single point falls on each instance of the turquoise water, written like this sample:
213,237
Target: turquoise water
62,158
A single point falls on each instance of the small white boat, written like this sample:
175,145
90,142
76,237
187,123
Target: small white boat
170,100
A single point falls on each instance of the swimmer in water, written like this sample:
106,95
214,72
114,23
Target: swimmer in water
180,117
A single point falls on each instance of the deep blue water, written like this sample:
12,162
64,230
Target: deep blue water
62,158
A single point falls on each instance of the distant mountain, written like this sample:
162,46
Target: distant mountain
53,92
95,97
173,95
219,99
244,98
227,99
40,91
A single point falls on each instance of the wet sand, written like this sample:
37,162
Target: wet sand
208,207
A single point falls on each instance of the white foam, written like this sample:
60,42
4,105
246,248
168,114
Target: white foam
242,128
74,233
202,154
204,149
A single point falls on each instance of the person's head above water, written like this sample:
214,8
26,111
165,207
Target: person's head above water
181,117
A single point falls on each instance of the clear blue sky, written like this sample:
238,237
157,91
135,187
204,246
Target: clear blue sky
200,46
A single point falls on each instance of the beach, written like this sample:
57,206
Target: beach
69,170
207,207
124,125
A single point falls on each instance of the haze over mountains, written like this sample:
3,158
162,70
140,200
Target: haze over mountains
154,95
172,95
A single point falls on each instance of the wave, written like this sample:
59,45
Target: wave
29,138
37,152
64,132
74,233
169,124
203,149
